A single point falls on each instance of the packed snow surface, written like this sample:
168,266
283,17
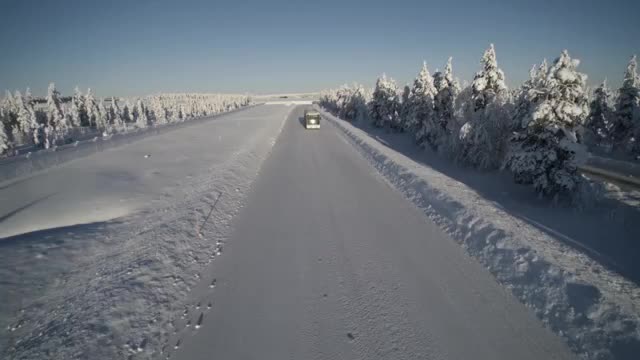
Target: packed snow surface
99,253
327,261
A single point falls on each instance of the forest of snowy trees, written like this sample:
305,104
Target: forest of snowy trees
538,132
26,122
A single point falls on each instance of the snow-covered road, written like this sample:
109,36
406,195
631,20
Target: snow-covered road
327,261
98,255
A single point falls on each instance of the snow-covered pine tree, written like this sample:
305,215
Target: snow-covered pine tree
6,145
447,89
36,129
627,120
406,108
353,103
159,111
544,154
522,104
384,104
421,119
127,112
10,114
9,102
28,97
359,102
103,119
483,138
22,131
93,111
78,109
55,116
142,120
598,123
182,113
116,116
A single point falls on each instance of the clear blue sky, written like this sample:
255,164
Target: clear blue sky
138,47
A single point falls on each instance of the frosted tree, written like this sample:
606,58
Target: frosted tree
28,125
627,119
103,119
78,109
28,97
22,131
349,103
116,116
94,116
127,116
406,107
601,115
9,102
142,121
10,111
422,118
6,145
483,138
182,113
545,153
159,111
384,104
55,116
443,107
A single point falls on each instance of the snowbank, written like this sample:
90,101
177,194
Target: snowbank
29,163
595,310
629,170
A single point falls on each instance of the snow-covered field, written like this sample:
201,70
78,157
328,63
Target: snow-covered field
577,270
98,254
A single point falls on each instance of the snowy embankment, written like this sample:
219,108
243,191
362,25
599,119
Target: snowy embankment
623,171
31,162
596,310
115,288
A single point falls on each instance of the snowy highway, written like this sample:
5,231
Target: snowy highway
109,256
327,261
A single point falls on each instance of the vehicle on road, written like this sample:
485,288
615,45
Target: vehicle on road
311,119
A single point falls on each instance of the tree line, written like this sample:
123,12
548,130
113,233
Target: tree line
26,121
539,131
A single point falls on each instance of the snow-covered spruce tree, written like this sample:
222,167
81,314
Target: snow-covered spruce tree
598,123
421,119
103,119
447,89
544,152
93,111
528,95
406,107
24,121
626,123
483,138
351,102
116,116
56,120
127,115
142,119
522,104
6,145
160,113
383,108
10,111
78,109
28,98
